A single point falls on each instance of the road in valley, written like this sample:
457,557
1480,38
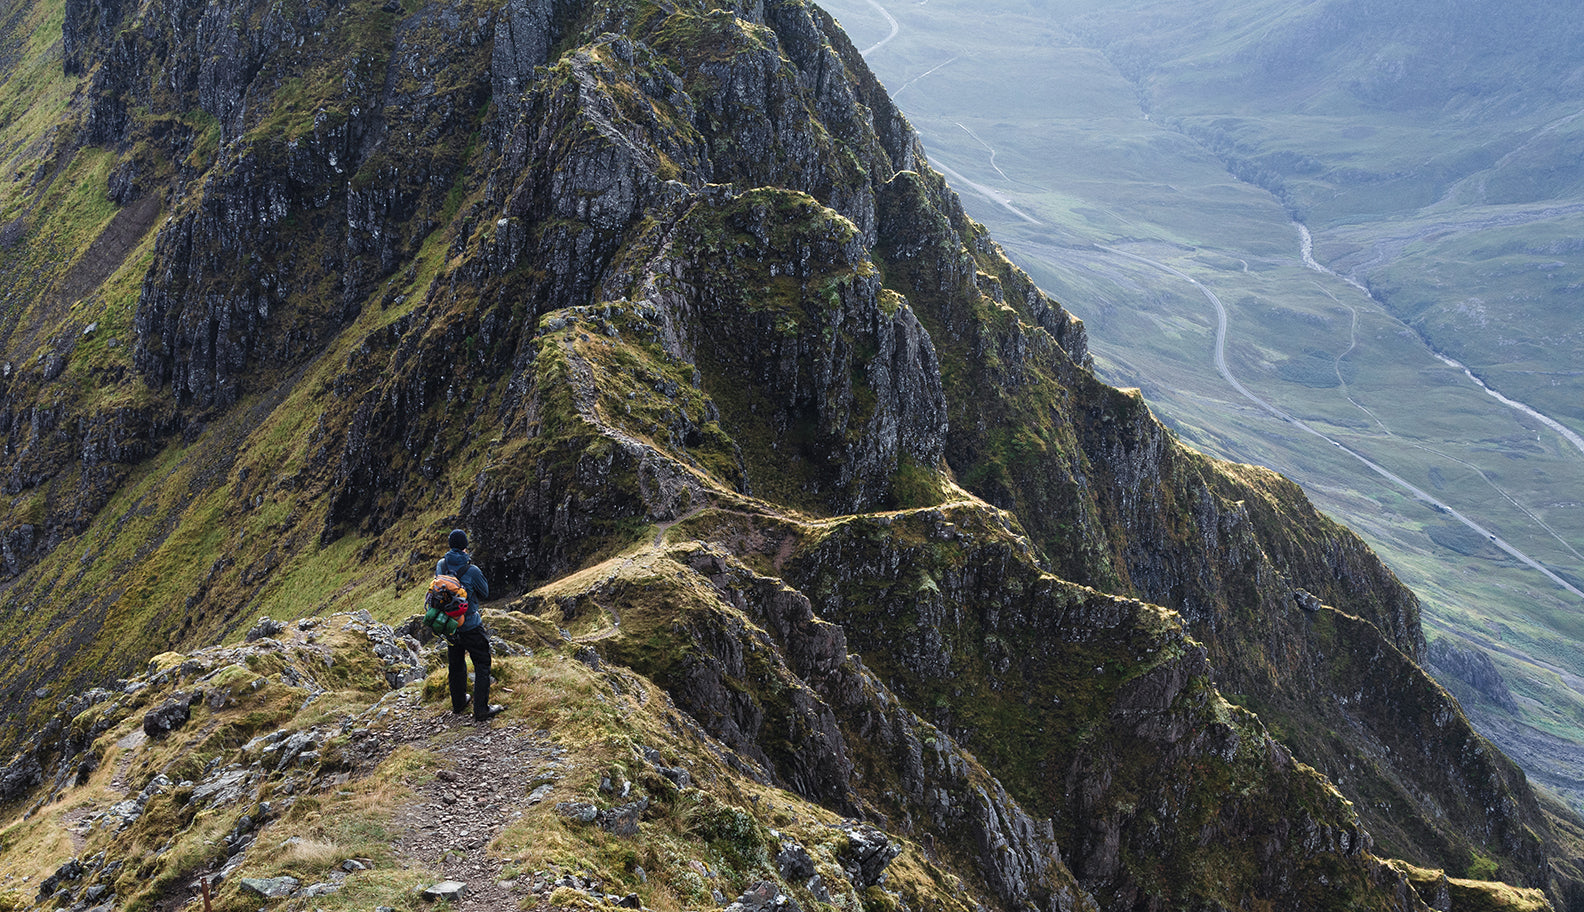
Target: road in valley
1223,322
895,28
1418,493
1219,358
1307,250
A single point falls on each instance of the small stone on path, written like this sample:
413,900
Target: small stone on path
452,890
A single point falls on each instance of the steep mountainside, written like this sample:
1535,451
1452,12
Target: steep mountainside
1146,160
663,303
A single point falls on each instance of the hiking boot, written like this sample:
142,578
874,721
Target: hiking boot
466,702
494,710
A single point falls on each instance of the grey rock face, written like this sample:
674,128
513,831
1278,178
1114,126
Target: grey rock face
202,320
69,871
452,890
222,787
764,896
866,854
844,357
266,627
21,774
793,863
400,652
1474,668
524,33
171,714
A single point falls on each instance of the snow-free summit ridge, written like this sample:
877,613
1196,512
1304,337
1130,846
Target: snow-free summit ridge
776,454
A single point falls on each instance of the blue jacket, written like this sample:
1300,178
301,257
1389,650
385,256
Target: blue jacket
473,581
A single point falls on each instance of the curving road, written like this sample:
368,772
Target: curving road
1418,493
1220,337
988,148
1306,246
1000,199
895,28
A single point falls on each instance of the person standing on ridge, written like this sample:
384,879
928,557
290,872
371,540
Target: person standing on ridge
471,639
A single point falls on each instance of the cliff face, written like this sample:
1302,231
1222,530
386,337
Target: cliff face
663,303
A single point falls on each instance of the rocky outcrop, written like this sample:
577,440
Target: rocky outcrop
296,203
801,347
818,720
169,715
1474,668
986,640
525,31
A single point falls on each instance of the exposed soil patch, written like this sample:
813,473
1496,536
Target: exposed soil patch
78,823
133,740
109,250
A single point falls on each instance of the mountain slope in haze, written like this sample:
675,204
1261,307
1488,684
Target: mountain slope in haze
663,304
1146,162
1432,148
1434,154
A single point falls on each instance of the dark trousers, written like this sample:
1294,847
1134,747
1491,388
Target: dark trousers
470,643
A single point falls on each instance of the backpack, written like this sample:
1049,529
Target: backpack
446,604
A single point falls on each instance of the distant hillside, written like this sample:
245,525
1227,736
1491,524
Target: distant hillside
1442,61
1473,176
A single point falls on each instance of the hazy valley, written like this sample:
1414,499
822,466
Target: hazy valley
1151,164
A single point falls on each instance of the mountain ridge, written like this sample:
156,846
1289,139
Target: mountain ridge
685,268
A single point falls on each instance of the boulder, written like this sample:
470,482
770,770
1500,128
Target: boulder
168,716
451,890
270,887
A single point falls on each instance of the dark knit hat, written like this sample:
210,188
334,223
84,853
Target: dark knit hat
458,540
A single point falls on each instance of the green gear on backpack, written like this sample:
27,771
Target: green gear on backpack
440,622
445,604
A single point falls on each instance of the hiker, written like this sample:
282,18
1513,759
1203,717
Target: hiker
471,638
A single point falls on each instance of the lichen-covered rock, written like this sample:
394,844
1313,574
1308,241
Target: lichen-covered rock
19,775
278,887
170,715
71,870
866,854
266,627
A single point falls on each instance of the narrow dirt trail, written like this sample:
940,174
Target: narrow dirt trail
493,773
